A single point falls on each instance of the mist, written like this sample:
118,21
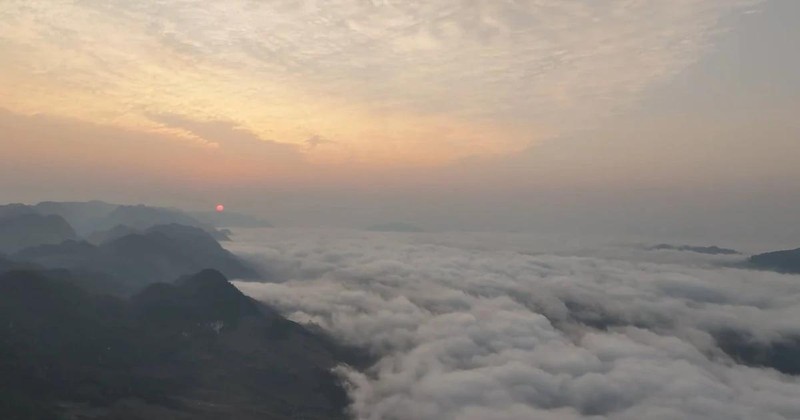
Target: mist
493,329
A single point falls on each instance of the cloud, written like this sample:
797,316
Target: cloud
317,140
422,74
468,333
47,155
231,137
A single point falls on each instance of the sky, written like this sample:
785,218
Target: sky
649,117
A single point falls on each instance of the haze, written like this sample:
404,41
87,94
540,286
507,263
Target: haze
627,117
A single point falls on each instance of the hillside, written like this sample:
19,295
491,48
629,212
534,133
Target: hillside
193,349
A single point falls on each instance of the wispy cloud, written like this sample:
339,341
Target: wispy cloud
395,78
230,136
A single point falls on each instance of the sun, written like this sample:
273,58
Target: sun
220,208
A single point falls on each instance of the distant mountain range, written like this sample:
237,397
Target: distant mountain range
785,261
92,216
143,245
22,230
131,316
710,250
137,258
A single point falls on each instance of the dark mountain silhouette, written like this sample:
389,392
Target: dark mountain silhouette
711,250
193,349
99,330
96,282
158,254
787,261
22,230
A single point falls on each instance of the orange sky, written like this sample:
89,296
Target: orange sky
351,83
187,102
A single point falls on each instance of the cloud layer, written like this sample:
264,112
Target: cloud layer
483,334
410,81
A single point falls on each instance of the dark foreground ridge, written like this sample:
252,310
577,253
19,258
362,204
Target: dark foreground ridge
196,348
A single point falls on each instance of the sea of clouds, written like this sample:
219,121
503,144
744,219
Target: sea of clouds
480,327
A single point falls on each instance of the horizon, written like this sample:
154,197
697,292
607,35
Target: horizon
684,123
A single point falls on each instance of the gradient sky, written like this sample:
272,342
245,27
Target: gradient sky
453,113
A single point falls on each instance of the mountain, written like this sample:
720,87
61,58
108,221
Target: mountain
158,254
193,349
82,216
710,250
22,230
143,217
15,209
89,217
102,330
7,264
53,337
118,231
395,227
787,261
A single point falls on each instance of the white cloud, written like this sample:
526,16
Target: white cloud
466,333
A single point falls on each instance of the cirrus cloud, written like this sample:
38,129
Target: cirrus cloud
409,81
